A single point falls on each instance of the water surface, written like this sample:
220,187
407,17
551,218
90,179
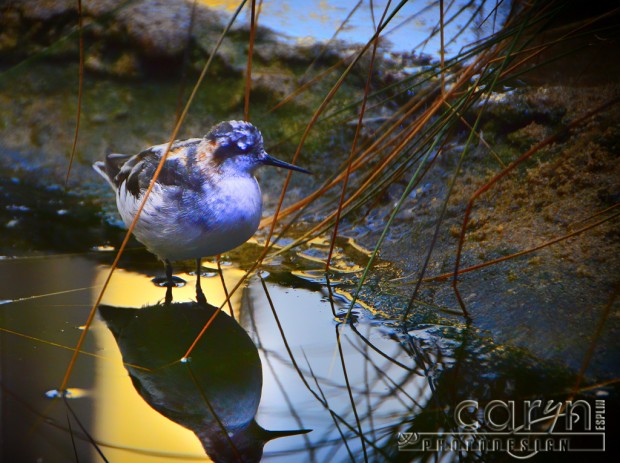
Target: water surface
283,362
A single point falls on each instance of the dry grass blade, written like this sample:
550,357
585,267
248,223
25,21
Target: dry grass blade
595,337
75,453
302,377
381,138
445,276
173,136
302,88
248,70
205,328
468,144
350,392
313,121
354,144
186,56
222,429
83,428
78,113
596,214
62,346
219,270
442,48
408,135
379,351
332,414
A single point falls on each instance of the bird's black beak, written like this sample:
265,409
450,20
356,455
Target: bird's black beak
271,161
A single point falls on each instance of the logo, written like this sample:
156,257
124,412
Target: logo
521,429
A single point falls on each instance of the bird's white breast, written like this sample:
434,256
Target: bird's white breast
178,225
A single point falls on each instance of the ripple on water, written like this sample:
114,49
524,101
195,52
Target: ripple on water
69,393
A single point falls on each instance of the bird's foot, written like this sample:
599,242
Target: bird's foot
163,282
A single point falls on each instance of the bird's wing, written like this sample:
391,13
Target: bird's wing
109,168
137,171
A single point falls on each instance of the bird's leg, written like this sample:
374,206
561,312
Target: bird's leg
200,297
219,270
169,281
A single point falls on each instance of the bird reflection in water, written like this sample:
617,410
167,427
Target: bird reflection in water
216,394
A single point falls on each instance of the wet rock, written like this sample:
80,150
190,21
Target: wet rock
126,64
272,49
156,27
113,30
511,110
40,10
272,86
529,135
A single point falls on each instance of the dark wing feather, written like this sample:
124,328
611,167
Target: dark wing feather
137,171
114,162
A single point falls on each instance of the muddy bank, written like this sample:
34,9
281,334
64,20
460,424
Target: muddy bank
548,301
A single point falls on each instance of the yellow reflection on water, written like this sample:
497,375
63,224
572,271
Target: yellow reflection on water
130,430
131,289
126,427
226,5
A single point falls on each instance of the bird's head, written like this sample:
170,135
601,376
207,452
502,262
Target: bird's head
238,146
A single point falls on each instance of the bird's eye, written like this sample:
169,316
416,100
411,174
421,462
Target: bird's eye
243,146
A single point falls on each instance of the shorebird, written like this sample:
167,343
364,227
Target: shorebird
205,201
